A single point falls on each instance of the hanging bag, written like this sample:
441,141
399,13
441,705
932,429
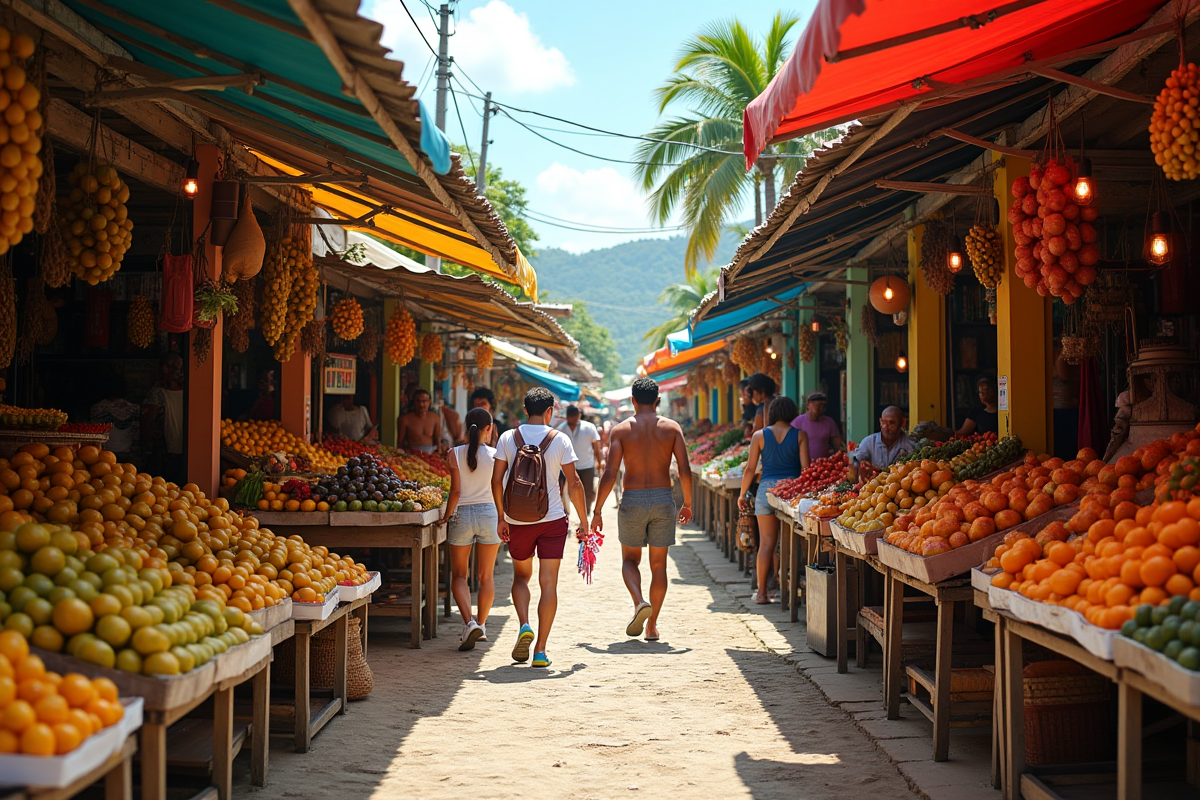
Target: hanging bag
177,294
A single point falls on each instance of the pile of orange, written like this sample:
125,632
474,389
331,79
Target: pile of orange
262,437
1141,555
276,499
43,713
892,494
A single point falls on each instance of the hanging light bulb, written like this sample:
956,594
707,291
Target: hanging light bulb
191,180
902,362
955,260
1158,252
1085,187
816,325
888,294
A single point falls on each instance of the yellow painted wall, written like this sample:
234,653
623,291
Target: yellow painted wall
389,379
1023,335
926,342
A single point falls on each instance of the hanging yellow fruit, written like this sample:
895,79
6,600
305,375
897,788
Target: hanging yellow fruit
347,320
140,325
807,344
983,248
21,134
1175,124
431,348
277,277
400,338
96,225
484,354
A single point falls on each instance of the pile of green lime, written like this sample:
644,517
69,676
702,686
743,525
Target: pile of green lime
1172,629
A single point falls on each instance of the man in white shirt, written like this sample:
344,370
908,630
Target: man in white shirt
547,536
882,449
585,440
350,420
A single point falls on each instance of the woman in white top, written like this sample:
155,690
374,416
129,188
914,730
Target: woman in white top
471,513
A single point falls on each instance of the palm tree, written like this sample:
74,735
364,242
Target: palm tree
681,299
720,70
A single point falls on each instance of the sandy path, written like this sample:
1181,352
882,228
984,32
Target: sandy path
707,711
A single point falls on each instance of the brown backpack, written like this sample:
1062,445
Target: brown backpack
526,496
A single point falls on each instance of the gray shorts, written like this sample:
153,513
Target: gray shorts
646,517
475,523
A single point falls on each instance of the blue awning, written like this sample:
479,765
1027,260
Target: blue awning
564,388
731,316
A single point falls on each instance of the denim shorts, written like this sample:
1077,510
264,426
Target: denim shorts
473,524
761,506
646,517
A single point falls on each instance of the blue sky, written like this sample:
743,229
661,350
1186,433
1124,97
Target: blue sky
591,62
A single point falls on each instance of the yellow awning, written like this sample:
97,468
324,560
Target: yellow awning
411,230
517,354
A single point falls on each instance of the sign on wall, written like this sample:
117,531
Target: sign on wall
340,373
1002,392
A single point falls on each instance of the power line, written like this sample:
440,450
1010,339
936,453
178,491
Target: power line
603,227
584,152
463,128
418,27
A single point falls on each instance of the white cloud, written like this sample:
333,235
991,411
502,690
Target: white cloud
494,44
594,197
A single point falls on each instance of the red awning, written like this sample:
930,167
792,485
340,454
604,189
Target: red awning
862,57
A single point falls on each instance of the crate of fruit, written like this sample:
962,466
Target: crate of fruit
1180,682
316,611
862,542
348,591
56,772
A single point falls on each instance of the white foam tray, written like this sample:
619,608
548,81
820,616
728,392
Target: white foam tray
316,611
1097,641
55,772
348,593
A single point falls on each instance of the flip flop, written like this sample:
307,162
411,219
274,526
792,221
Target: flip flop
652,638
762,601
635,626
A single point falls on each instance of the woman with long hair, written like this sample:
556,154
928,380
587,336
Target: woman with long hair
783,451
471,515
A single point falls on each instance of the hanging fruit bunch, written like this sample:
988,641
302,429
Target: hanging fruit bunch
866,325
44,207
96,226
277,285
733,372
935,253
807,343
238,326
431,348
484,355
841,333
400,338
8,315
368,344
987,258
1056,243
302,300
745,354
1174,134
21,129
312,339
347,319
140,325
34,322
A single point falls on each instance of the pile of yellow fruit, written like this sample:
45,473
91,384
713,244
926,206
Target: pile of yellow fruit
484,353
43,713
96,225
400,338
431,348
262,437
21,134
17,417
140,326
1175,124
891,494
347,319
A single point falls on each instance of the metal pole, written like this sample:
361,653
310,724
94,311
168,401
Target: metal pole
443,70
481,173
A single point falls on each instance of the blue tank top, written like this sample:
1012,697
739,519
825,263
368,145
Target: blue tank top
780,460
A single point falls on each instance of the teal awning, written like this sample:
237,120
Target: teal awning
563,388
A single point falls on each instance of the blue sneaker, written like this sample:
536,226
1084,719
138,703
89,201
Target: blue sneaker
541,660
525,638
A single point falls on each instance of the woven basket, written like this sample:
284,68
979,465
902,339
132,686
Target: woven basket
359,679
1068,715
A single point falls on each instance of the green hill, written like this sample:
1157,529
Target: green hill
620,284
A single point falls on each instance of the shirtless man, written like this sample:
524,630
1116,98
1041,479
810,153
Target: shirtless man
645,443
419,429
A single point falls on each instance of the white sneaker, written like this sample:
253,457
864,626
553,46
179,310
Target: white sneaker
483,636
470,635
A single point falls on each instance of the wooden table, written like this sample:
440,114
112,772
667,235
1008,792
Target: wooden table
847,610
117,773
422,540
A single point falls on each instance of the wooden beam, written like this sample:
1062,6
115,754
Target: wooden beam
327,177
1094,86
973,21
331,46
959,136
933,188
169,89
71,126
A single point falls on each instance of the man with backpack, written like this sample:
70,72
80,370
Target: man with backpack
531,514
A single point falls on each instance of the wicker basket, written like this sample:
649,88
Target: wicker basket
1068,714
359,679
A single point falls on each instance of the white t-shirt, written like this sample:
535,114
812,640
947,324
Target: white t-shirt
474,487
581,441
558,453
353,423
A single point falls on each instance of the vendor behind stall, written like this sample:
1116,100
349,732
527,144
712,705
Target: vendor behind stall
162,420
985,419
882,449
120,413
349,419
421,428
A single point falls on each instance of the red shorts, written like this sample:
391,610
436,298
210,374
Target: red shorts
549,539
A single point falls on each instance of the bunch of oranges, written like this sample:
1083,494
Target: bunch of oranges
43,713
400,337
347,319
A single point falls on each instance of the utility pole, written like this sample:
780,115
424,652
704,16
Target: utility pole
481,173
443,89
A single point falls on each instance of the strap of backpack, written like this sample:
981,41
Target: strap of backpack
517,438
546,442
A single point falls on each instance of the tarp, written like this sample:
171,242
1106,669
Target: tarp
563,388
857,58
718,323
517,354
666,361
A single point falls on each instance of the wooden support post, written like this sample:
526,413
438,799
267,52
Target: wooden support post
418,564
926,342
1023,337
1129,742
303,731
296,395
118,783
389,380
341,643
222,768
203,435
860,372
795,565
940,697
893,623
998,706
1014,714
260,730
842,579
154,757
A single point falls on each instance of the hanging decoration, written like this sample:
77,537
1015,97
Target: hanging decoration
238,326
732,371
935,257
889,294
246,247
484,355
277,285
139,327
400,338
